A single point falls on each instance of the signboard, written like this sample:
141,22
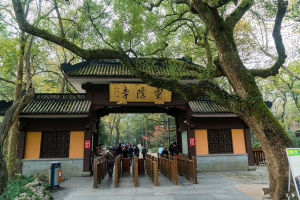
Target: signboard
132,92
192,141
293,155
87,144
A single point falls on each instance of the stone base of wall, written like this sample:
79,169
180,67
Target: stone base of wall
69,166
222,162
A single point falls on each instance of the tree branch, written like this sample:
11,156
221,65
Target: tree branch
85,54
272,71
238,13
7,81
283,66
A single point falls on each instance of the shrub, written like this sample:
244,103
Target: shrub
16,186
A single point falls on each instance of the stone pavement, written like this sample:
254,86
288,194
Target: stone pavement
210,186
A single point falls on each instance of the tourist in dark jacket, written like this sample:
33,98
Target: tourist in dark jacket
130,153
173,149
136,151
110,162
165,151
125,152
119,149
144,152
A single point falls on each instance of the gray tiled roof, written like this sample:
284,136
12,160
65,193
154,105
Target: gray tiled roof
69,104
206,106
4,105
113,68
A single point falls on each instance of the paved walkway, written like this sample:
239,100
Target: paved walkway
210,186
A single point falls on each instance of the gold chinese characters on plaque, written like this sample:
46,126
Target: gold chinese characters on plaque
134,92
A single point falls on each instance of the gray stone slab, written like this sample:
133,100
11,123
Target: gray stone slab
222,162
70,167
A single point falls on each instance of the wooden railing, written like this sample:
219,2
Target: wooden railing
117,171
173,168
135,170
259,156
100,170
152,168
187,167
169,167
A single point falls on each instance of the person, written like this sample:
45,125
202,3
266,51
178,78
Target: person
160,149
144,152
125,152
110,162
99,151
119,149
165,151
173,149
130,153
136,151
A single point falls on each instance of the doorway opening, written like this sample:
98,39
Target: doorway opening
150,130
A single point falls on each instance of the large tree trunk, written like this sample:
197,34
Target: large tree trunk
274,140
250,104
3,173
11,116
13,134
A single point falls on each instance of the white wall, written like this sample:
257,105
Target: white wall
184,142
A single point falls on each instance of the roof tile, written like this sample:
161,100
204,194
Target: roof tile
57,104
113,67
206,106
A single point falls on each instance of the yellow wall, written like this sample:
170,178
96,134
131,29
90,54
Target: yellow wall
201,142
32,145
238,141
76,144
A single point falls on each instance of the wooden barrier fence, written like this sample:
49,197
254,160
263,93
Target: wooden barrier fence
117,171
182,164
169,167
187,167
152,168
259,156
135,170
100,170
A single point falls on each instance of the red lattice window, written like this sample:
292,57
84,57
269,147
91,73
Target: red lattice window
55,144
219,141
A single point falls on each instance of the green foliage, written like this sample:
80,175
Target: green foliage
16,187
133,129
103,134
153,149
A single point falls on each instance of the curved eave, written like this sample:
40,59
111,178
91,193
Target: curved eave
54,116
199,115
78,81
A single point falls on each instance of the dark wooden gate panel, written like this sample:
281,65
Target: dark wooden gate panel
125,166
141,167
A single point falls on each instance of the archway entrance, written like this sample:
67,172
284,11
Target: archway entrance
216,136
